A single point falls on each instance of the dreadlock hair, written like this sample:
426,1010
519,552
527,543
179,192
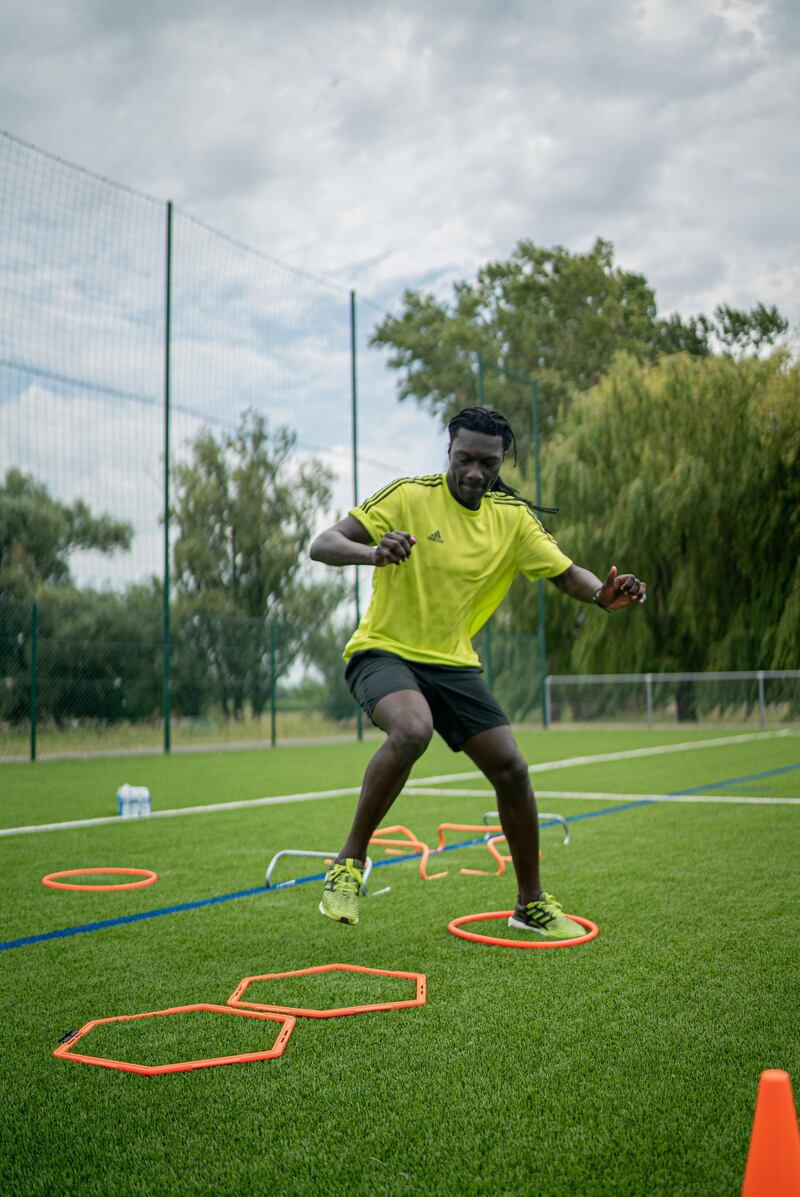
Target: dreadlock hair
493,423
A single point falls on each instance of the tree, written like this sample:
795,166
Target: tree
98,655
688,473
38,534
558,316
244,517
734,331
741,333
546,312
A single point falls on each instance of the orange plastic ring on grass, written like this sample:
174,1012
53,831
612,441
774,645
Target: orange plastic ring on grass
419,999
457,924
64,1052
147,876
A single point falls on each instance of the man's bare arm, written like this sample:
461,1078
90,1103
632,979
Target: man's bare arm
618,590
349,543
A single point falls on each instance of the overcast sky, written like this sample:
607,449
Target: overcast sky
404,144
395,145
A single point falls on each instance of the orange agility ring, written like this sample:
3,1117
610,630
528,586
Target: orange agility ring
64,1052
147,878
419,999
457,924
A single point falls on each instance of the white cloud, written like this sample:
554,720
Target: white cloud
386,144
383,146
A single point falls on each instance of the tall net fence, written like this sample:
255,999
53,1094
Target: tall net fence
145,359
81,349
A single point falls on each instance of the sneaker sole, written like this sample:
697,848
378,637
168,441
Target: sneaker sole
518,925
333,918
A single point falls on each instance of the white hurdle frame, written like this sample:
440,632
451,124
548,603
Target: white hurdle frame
317,856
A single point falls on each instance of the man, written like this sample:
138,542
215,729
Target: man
446,548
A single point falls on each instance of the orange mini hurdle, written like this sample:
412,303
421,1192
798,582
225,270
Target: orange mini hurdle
307,1012
396,847
147,875
445,827
501,859
64,1052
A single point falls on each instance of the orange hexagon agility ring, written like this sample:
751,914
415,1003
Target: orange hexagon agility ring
419,999
456,927
65,1052
147,878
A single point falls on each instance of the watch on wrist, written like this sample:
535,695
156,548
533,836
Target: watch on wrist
597,603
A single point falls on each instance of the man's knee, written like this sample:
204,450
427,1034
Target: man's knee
511,773
411,737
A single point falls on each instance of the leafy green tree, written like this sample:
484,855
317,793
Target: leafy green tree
558,316
245,514
38,534
733,331
546,312
688,474
742,333
99,655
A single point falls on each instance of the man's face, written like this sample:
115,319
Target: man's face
475,461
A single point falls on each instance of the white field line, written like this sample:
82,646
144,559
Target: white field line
626,755
411,786
277,800
441,792
604,796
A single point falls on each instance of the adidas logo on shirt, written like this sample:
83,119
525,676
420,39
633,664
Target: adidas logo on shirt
436,537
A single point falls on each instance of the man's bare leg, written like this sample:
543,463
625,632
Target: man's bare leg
496,754
406,718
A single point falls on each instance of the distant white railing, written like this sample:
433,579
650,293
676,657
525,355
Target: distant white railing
650,680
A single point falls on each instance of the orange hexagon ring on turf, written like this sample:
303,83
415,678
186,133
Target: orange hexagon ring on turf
147,878
64,1052
418,1000
456,927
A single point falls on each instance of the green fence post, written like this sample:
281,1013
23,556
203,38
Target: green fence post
354,412
648,698
273,686
537,457
166,687
34,675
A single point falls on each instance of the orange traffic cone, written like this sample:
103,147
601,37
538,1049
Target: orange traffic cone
773,1160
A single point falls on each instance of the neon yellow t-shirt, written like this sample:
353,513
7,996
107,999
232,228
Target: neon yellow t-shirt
429,608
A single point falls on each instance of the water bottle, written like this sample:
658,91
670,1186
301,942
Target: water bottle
133,802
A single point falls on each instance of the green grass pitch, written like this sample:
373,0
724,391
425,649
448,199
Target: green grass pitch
628,1065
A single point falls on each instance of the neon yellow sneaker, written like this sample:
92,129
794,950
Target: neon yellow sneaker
545,918
343,884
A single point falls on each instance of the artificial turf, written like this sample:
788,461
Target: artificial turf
628,1065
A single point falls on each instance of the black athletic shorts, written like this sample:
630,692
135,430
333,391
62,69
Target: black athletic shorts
460,701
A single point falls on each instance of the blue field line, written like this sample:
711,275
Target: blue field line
86,928
732,781
609,810
160,912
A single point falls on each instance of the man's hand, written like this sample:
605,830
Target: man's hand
393,549
620,590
